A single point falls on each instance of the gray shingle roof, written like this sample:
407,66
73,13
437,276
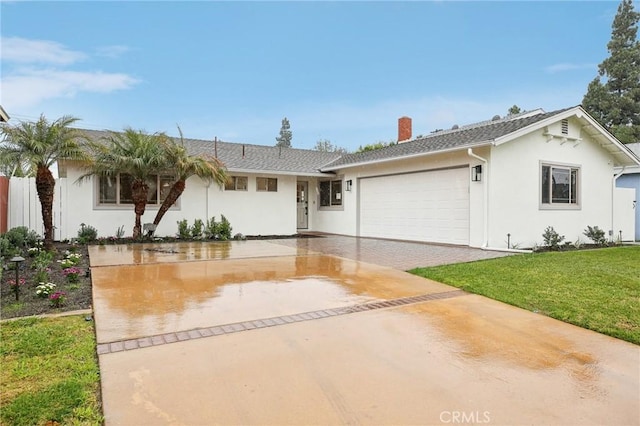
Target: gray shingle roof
257,158
466,136
261,158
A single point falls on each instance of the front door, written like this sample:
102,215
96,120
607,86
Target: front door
303,204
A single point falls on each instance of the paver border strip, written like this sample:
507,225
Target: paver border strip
236,327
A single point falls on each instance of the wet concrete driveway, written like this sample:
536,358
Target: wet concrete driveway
257,332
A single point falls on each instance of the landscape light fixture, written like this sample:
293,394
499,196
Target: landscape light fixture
17,260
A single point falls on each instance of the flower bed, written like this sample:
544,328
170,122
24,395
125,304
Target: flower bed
47,288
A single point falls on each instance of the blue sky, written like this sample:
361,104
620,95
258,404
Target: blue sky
342,71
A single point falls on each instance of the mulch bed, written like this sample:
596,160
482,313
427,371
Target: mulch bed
78,295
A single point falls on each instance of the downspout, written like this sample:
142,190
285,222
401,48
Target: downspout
485,238
613,191
206,191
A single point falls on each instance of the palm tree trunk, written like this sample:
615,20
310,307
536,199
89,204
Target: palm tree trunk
174,193
139,191
45,185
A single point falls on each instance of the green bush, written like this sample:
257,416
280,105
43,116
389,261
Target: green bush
596,235
183,229
197,229
87,233
551,238
15,241
211,229
21,237
7,250
224,229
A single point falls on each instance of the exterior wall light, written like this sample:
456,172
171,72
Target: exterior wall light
347,185
476,173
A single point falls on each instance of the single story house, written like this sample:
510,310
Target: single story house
494,184
630,178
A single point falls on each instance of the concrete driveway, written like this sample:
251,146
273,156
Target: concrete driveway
257,332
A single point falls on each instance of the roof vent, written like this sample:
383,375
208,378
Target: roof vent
564,124
495,118
455,127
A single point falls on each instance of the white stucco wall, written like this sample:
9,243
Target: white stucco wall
250,212
515,189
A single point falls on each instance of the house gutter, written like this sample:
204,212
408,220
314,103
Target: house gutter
613,191
485,238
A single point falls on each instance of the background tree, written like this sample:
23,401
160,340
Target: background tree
515,109
183,165
135,153
325,145
35,147
284,140
616,102
374,146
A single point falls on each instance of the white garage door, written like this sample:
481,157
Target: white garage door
426,206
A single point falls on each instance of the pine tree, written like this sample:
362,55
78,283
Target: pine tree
284,140
515,109
616,102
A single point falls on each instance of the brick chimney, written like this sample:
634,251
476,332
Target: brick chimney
404,129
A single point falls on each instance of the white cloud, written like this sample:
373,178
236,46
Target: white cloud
39,70
566,66
28,88
24,51
114,51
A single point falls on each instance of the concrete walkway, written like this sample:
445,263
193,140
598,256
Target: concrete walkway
256,332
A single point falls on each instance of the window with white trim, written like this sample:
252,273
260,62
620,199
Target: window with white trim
236,183
116,190
559,186
331,193
264,184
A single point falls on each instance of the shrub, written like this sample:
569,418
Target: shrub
7,250
211,229
87,233
596,235
120,232
183,229
224,229
21,237
197,228
551,238
42,261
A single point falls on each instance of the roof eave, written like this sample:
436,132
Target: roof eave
4,117
406,157
628,158
276,172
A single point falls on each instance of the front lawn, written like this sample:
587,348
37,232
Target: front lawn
594,289
49,372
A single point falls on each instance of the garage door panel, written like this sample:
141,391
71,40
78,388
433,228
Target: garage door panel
426,206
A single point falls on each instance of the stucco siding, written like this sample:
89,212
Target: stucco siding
250,212
515,189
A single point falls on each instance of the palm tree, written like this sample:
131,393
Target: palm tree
134,153
184,166
35,147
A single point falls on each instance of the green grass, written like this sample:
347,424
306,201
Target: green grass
49,372
594,289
